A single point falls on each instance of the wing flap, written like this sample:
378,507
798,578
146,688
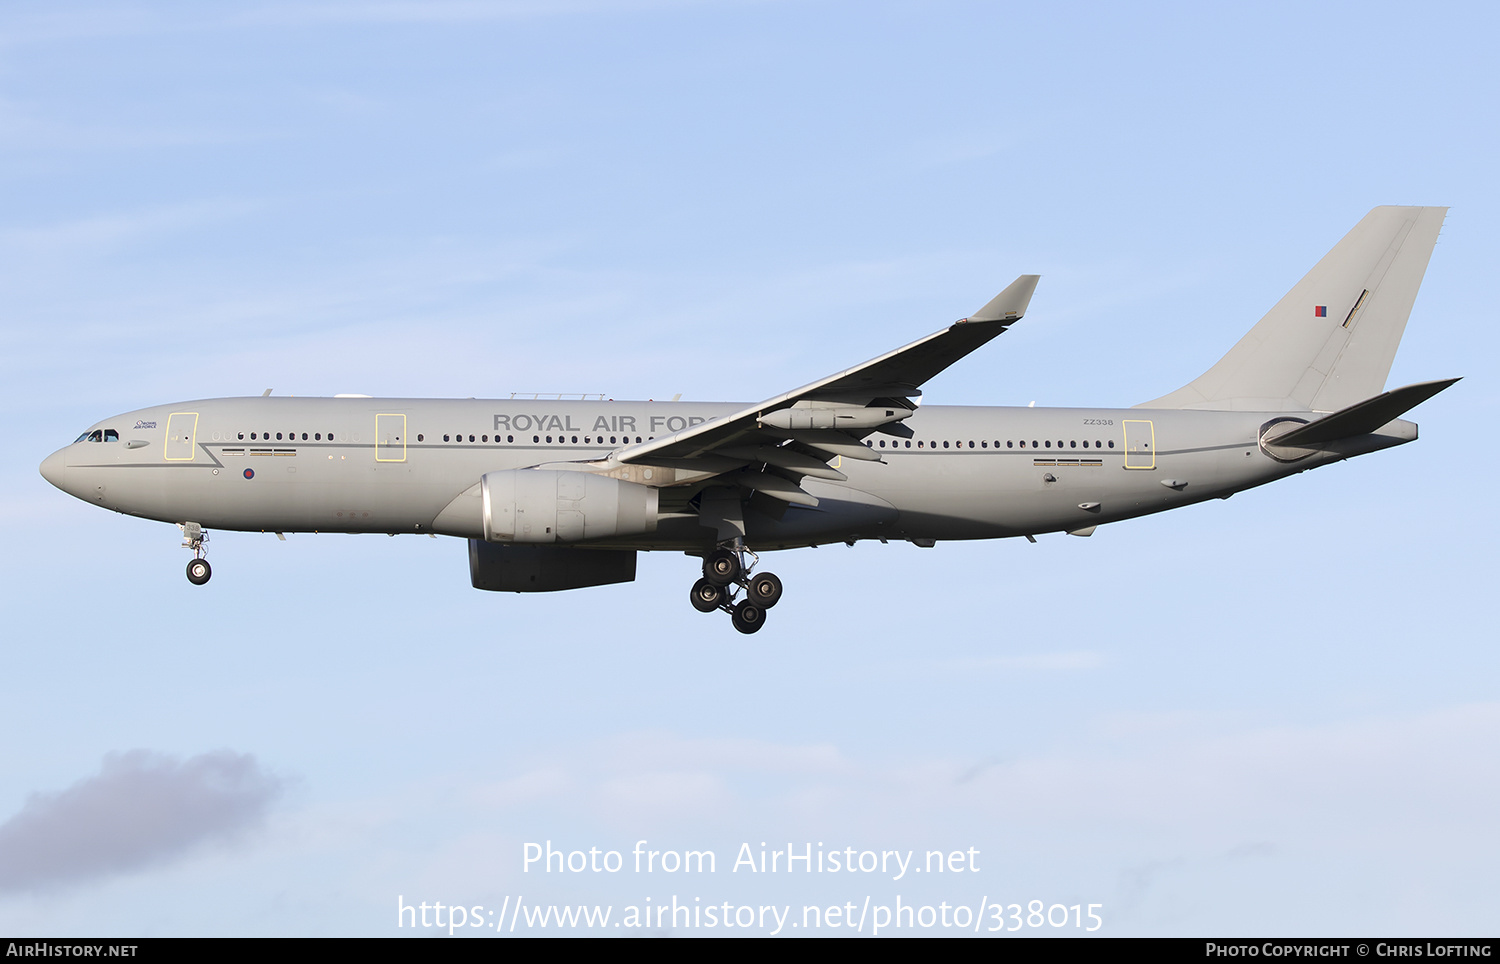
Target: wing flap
775,486
785,458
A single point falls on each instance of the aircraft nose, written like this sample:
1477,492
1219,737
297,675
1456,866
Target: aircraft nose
53,466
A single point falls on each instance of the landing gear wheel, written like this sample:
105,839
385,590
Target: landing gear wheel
765,590
722,567
706,596
748,617
198,571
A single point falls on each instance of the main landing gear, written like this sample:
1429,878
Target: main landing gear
725,573
193,537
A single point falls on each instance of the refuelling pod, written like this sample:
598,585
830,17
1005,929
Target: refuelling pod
816,416
502,568
542,506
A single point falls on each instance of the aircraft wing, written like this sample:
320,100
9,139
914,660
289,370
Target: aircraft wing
799,431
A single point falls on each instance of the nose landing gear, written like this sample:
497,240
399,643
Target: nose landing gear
198,571
193,537
725,574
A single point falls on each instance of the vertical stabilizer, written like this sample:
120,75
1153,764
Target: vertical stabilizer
1330,342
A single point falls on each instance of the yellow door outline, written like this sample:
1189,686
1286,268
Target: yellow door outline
177,424
390,438
1140,444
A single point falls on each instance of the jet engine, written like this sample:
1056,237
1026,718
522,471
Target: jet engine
544,506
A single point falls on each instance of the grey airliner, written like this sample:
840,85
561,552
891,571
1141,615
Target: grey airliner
562,494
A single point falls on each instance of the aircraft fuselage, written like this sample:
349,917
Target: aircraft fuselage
289,464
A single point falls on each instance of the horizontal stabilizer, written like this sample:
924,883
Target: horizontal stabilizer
1361,418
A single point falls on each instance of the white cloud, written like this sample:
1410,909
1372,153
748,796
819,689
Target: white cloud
142,809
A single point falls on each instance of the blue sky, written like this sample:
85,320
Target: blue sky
726,201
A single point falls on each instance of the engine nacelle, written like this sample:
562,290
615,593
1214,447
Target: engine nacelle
500,568
544,506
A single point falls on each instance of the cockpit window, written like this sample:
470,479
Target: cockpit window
110,435
96,436
80,438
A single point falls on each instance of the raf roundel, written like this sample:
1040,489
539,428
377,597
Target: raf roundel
249,473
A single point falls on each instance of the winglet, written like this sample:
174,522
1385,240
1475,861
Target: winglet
1010,304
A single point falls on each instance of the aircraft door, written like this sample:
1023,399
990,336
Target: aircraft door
1140,444
390,438
182,436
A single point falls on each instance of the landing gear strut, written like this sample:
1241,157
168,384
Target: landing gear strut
193,537
726,571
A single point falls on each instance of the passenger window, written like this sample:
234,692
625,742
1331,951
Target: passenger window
509,438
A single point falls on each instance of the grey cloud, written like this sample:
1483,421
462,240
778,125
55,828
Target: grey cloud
141,809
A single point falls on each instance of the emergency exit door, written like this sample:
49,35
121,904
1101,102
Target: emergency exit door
390,438
182,436
1140,444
